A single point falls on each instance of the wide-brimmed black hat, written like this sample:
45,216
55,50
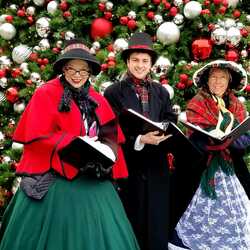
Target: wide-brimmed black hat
76,49
140,41
238,74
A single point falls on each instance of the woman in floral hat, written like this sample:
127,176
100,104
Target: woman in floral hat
58,205
218,217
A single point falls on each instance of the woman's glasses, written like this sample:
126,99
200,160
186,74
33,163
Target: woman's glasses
82,72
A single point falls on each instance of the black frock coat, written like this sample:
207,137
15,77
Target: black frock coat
145,194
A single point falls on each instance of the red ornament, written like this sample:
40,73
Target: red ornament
232,55
64,5
11,94
21,13
150,15
2,73
183,78
123,20
222,10
244,32
33,57
206,3
180,85
236,13
100,28
201,49
132,24
108,15
205,12
102,7
173,11
104,66
156,2
167,5
30,19
9,18
67,14
217,2
247,89
16,72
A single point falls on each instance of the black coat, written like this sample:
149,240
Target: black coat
145,194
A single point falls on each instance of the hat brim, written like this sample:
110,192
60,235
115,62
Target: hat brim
77,54
125,54
239,75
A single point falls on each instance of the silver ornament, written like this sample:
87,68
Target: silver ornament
44,44
138,2
39,2
161,66
132,14
178,19
52,7
192,9
43,26
69,35
7,31
168,33
233,36
30,11
20,53
109,5
219,36
3,82
120,44
158,19
19,107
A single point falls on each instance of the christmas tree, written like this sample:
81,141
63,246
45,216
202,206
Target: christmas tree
186,34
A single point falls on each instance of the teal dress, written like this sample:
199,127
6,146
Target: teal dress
83,214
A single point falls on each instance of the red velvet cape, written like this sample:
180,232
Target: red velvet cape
44,131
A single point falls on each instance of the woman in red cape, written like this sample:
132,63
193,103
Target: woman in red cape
60,206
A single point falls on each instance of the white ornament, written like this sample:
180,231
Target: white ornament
24,66
19,107
219,36
176,109
168,33
138,2
158,19
7,31
178,19
170,90
232,3
35,77
161,66
20,53
30,11
13,7
59,44
52,7
178,3
233,36
229,22
120,44
6,159
43,26
36,48
44,44
192,9
3,82
132,14
182,116
109,5
2,139
92,51
39,2
3,18
69,35
242,99
244,53
248,18
5,62
111,55
96,45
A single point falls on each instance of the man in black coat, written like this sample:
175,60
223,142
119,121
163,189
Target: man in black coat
145,194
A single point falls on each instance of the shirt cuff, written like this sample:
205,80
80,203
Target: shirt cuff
138,145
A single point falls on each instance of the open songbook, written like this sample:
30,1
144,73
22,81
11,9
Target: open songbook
141,124
240,129
83,150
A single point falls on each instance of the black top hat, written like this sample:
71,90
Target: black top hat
140,42
75,49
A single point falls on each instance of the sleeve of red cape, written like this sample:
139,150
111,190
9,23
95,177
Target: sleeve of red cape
120,167
42,139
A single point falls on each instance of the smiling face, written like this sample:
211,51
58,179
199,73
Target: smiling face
139,64
218,81
76,72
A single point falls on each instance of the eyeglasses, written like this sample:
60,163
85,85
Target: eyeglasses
82,72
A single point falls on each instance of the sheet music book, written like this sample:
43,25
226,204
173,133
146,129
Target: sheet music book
240,129
83,150
141,124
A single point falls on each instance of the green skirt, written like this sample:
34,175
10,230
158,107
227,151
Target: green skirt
83,214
